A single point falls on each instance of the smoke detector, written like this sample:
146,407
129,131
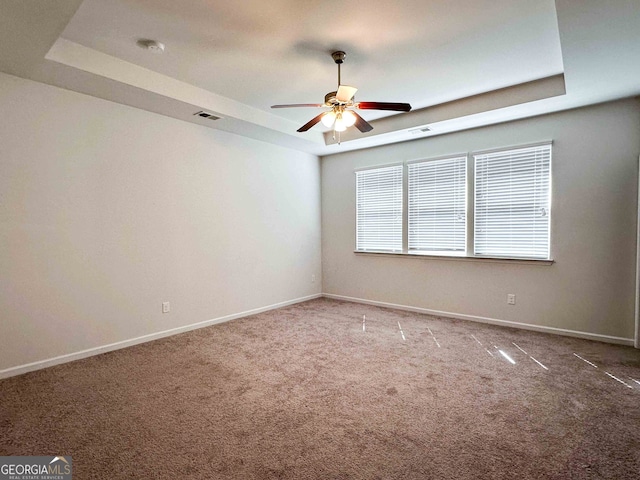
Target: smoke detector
152,45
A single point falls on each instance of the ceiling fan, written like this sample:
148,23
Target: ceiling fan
341,104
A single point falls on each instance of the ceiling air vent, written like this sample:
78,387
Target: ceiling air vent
418,131
207,115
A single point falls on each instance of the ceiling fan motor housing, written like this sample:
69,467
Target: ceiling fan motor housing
330,99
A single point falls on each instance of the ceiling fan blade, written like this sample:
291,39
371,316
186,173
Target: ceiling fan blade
361,124
312,122
398,107
293,105
345,93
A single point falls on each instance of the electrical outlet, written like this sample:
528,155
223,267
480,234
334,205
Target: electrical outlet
313,279
511,299
166,307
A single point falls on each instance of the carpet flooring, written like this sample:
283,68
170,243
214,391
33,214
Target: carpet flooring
337,390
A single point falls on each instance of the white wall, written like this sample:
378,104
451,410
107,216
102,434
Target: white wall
106,211
590,288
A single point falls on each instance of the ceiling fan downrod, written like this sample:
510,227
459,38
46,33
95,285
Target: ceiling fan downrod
338,57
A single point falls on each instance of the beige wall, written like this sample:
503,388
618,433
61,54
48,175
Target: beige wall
106,211
590,288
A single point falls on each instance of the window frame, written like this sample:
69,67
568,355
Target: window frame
456,253
473,158
403,207
468,254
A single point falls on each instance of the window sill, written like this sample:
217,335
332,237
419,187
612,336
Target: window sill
516,261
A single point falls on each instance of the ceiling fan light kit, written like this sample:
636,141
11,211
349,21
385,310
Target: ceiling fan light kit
339,120
341,104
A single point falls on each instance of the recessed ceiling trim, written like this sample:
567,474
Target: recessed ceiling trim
505,97
89,60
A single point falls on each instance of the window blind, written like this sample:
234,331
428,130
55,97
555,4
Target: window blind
379,209
512,200
437,205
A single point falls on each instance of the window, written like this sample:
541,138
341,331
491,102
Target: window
379,209
506,193
512,203
437,206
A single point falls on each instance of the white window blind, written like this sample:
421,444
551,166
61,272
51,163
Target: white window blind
437,205
379,209
512,202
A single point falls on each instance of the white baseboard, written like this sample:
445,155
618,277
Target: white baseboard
30,367
493,321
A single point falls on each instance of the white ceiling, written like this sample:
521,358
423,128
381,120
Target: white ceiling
238,58
397,51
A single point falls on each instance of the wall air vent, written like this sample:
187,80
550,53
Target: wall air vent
419,130
207,115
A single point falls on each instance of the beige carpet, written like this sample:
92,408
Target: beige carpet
306,392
